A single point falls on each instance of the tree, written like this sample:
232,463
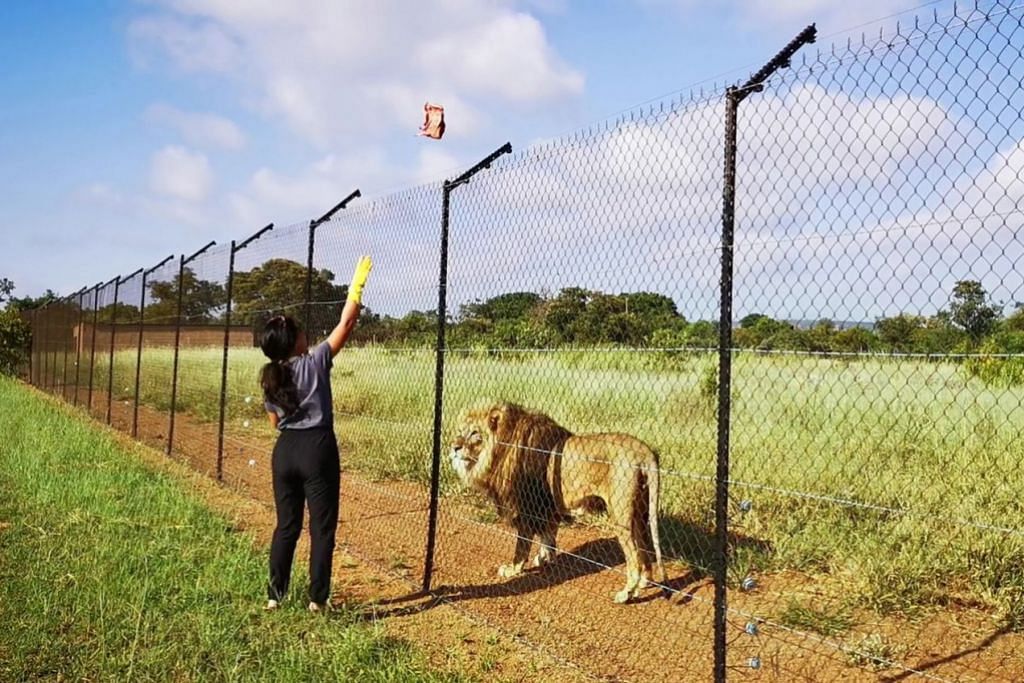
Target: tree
562,313
125,313
1015,323
506,316
279,285
898,333
15,332
28,302
201,299
787,339
512,306
970,311
821,337
749,321
938,336
756,328
702,334
855,340
417,328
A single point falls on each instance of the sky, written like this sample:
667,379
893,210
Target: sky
133,130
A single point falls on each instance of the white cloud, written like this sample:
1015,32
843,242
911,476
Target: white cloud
343,71
193,46
507,57
181,174
829,15
100,194
436,163
197,128
306,193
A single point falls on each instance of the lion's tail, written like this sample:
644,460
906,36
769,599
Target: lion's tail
653,496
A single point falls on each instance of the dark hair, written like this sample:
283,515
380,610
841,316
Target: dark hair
278,342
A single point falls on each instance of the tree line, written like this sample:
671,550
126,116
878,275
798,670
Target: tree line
576,317
970,323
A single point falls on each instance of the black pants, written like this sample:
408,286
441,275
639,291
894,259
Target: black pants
306,470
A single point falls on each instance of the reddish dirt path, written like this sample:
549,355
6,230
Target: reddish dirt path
566,610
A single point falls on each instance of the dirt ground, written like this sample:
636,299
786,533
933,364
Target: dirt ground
560,624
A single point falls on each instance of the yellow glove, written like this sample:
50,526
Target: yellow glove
355,290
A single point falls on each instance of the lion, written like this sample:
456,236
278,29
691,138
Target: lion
537,473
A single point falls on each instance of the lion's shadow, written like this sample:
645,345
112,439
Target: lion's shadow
683,542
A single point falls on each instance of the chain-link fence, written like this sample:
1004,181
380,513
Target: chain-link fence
750,362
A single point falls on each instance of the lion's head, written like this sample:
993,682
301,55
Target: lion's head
503,449
475,440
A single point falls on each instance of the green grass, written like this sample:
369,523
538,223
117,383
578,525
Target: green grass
807,618
111,571
895,434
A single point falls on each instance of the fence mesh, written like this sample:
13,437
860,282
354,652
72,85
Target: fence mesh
873,461
123,352
574,270
871,529
384,392
196,384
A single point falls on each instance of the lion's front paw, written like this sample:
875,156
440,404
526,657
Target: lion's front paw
623,596
507,571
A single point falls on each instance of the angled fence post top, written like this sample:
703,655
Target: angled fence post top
483,164
244,243
781,60
126,278
150,271
310,250
317,222
195,255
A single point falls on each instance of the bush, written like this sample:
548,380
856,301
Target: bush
15,335
995,370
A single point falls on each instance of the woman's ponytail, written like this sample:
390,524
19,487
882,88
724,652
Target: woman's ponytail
278,343
278,387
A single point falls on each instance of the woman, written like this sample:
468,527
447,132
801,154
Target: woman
297,393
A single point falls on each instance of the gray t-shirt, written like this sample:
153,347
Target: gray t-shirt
311,373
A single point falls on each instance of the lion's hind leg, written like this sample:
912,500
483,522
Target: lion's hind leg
633,573
619,510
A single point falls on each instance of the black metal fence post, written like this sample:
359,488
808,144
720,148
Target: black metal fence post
313,225
79,341
724,386
31,314
442,307
92,352
138,349
138,357
113,336
54,347
733,97
182,260
44,344
77,296
227,340
110,355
